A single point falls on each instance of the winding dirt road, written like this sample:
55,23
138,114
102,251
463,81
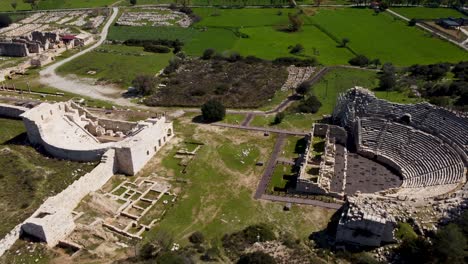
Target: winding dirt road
82,86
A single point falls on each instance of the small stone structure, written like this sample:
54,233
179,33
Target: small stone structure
364,224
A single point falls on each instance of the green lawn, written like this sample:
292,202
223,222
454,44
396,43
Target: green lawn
293,147
117,64
278,180
241,157
218,197
385,37
426,12
235,119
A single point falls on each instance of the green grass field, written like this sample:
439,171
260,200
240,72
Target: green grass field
28,177
427,13
385,37
376,36
117,64
218,196
56,4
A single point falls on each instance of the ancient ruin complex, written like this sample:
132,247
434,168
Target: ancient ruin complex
68,131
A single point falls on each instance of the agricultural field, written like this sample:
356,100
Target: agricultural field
222,29
384,37
27,176
427,13
116,64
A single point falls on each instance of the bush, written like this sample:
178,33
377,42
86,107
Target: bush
197,238
412,22
146,251
298,48
133,2
257,257
310,105
286,61
405,232
208,54
213,111
359,60
304,88
144,84
5,20
278,118
157,49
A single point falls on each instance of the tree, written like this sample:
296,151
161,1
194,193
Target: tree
144,84
375,62
197,237
14,5
450,245
387,79
303,88
344,42
5,20
359,60
412,22
278,118
208,54
133,2
296,22
213,111
147,251
310,105
257,257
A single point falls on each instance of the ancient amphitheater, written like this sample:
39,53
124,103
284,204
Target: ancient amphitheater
386,159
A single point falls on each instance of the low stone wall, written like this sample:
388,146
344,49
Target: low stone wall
53,220
12,111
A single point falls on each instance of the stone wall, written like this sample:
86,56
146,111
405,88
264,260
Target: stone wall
12,111
53,220
11,49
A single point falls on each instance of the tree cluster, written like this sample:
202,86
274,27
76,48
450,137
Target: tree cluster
156,45
363,61
213,111
5,20
295,21
144,84
449,245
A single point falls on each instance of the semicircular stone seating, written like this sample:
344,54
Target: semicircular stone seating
423,159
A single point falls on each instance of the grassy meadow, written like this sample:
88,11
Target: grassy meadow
217,198
117,64
427,12
56,4
260,32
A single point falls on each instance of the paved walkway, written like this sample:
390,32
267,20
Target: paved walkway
296,200
262,129
247,119
266,177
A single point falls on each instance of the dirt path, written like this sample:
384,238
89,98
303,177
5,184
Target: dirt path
81,86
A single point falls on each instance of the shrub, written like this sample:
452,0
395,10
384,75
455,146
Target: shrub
208,54
257,257
278,118
359,60
286,61
213,111
197,238
412,22
157,49
146,251
310,105
144,84
298,48
387,79
304,88
295,22
133,2
5,20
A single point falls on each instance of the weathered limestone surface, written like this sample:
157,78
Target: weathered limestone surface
11,49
